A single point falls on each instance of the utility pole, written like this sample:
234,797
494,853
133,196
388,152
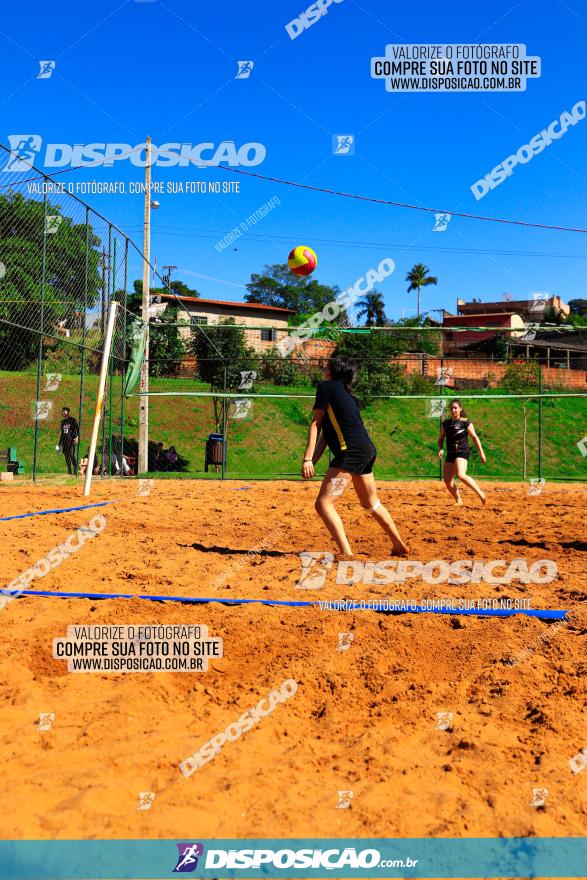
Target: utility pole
143,458
167,276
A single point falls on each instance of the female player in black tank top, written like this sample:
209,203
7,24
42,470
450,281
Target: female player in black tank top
456,431
337,423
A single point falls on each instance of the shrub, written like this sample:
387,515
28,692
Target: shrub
377,378
418,384
278,370
521,376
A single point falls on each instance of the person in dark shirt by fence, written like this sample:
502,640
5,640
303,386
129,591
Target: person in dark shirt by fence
68,439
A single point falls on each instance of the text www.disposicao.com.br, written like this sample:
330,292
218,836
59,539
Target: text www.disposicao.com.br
135,664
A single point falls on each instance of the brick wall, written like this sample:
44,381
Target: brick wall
490,372
483,373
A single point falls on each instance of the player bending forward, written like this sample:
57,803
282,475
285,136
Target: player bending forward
337,423
456,431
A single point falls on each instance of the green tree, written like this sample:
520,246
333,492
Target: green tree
25,241
578,307
135,299
222,354
521,376
278,370
426,341
166,346
418,278
375,374
577,320
372,306
578,315
277,286
181,289
552,316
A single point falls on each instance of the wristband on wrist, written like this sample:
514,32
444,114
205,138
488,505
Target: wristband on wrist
306,459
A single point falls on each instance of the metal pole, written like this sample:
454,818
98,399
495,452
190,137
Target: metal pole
167,276
105,269
123,369
111,288
83,363
100,394
103,305
143,461
41,327
441,460
540,421
231,394
225,403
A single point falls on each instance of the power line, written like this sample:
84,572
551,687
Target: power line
395,204
340,193
95,164
334,192
260,237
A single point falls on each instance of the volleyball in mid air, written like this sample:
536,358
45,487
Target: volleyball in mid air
302,260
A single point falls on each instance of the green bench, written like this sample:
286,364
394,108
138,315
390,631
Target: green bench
13,465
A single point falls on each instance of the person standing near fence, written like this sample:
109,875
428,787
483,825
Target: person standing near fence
456,431
68,439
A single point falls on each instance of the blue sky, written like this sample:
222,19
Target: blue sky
125,70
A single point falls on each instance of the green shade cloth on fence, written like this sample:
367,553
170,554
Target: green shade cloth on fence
138,339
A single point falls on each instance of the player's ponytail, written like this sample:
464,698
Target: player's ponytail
343,369
458,402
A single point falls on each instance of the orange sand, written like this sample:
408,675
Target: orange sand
362,720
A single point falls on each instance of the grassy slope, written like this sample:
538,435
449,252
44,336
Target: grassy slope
271,440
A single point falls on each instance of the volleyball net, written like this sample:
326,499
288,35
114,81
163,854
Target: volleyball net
531,418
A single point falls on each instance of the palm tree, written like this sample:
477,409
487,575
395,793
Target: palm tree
417,278
371,305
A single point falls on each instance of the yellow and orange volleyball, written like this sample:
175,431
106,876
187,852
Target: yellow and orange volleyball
302,260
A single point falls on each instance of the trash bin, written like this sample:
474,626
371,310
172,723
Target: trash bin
215,451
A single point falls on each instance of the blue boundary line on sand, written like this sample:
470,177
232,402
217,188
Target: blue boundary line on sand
546,613
58,510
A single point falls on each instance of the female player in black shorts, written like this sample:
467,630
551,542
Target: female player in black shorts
457,431
337,423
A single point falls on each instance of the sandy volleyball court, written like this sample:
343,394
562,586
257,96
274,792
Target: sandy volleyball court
363,720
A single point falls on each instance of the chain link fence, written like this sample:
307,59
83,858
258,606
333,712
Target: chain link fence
61,265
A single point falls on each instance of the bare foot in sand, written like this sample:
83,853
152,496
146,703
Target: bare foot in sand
400,549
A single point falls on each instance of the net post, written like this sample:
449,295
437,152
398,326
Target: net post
111,289
83,351
100,395
441,416
540,421
143,455
41,328
225,403
123,368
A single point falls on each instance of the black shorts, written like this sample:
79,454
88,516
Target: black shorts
452,456
357,460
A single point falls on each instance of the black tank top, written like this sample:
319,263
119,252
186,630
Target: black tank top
456,435
342,424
